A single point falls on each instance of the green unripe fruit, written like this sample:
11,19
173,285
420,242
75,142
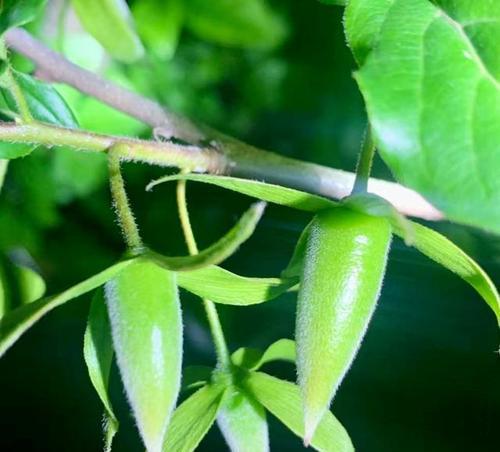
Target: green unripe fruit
341,278
146,326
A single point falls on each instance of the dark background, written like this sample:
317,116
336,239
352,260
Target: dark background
426,378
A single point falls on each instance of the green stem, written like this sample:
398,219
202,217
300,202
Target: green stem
121,203
223,358
364,165
18,95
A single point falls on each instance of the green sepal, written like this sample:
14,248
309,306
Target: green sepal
98,355
283,400
18,321
275,194
193,418
254,359
441,250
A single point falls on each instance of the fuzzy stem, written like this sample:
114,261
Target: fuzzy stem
222,352
121,203
237,158
365,162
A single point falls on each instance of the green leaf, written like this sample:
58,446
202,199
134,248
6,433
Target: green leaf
283,400
266,192
245,23
146,325
446,253
222,286
344,265
110,22
159,24
363,20
254,359
14,12
44,102
98,354
220,250
193,418
195,376
14,150
30,285
242,421
294,267
13,325
432,90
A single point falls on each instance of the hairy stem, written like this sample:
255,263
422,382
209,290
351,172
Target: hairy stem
17,94
223,359
121,203
240,159
365,162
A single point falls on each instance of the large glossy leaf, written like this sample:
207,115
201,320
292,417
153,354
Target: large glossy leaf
146,324
98,354
438,248
110,22
344,265
283,400
13,325
261,190
192,419
222,286
432,91
14,12
245,23
220,250
242,421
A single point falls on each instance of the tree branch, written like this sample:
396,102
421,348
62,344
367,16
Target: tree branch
235,158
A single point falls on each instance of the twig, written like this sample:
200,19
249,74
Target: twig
235,158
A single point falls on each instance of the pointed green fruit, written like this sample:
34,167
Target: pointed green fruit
242,421
342,275
146,326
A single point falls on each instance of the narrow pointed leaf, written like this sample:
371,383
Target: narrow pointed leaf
242,421
341,280
254,359
220,250
192,419
98,354
146,324
281,350
13,325
110,23
441,250
222,286
294,267
261,190
283,400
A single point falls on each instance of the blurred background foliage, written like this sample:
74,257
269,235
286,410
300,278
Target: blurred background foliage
277,74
